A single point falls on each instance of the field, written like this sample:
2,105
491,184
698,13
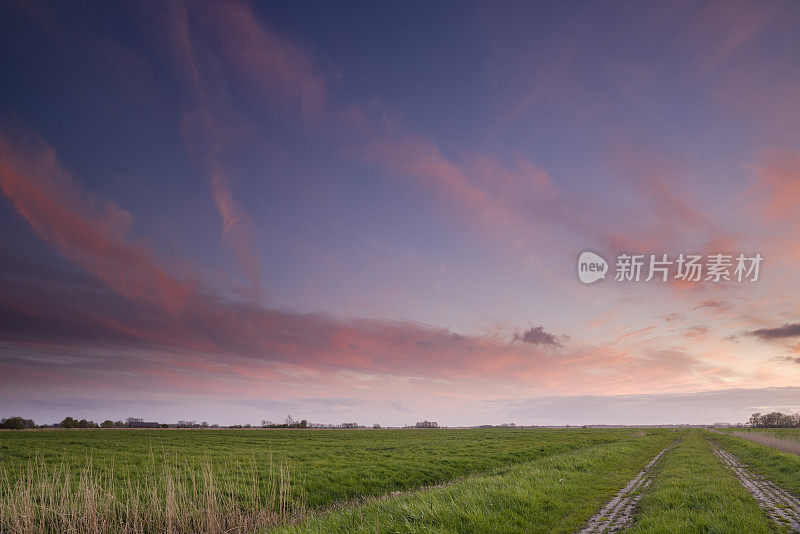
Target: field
494,480
693,492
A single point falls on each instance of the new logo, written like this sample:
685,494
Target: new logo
591,267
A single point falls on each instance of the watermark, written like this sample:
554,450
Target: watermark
713,268
591,267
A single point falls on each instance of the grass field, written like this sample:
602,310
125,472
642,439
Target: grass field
781,467
497,480
289,472
557,493
694,492
330,465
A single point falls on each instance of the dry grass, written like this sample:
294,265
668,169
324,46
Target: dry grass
785,445
167,496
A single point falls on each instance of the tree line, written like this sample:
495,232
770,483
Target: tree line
20,423
289,422
17,423
774,420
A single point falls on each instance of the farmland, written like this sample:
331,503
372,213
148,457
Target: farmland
499,480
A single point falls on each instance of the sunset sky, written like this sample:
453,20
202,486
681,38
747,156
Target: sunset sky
372,212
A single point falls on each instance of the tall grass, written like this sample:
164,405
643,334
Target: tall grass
785,445
164,496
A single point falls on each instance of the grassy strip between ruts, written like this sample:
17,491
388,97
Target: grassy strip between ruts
553,494
780,467
694,492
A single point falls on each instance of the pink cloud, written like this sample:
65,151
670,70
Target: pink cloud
91,233
509,200
773,200
719,29
266,63
777,187
209,126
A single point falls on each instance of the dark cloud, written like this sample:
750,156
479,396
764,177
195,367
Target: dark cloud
536,335
789,359
780,332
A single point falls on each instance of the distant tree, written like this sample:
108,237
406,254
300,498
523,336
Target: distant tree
17,423
188,424
134,420
376,426
83,423
774,420
427,424
108,423
69,422
289,422
204,424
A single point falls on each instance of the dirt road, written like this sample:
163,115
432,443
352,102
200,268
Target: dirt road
782,507
618,514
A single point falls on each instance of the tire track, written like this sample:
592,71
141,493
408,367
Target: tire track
780,505
618,513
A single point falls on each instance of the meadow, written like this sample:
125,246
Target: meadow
694,492
782,467
556,493
173,476
300,481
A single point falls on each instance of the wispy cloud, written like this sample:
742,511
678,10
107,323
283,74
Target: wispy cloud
264,62
713,305
209,122
91,232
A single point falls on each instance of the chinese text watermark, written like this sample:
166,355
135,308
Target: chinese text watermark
713,268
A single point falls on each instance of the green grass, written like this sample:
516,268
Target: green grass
498,480
557,493
780,467
329,465
694,492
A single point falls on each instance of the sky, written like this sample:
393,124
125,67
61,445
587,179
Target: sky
373,212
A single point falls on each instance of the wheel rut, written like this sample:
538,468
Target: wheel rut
619,512
780,505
